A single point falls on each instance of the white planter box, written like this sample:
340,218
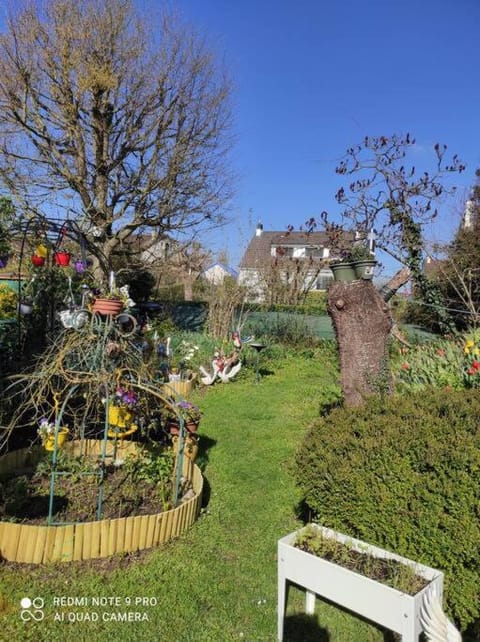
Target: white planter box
377,602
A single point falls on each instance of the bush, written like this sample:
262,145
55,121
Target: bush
403,474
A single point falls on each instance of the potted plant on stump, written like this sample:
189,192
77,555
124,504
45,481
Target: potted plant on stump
363,261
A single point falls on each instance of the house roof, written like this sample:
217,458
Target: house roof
224,267
258,249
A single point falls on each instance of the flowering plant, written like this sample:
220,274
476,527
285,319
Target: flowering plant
186,410
125,397
45,428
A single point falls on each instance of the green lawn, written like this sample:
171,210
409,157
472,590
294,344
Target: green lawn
218,581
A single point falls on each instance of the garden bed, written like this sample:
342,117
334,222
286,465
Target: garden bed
33,543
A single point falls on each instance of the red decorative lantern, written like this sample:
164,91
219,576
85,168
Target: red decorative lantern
62,258
38,261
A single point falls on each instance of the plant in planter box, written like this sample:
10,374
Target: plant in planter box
335,571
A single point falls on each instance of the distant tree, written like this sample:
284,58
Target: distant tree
390,196
123,122
458,270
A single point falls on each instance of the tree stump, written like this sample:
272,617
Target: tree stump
362,322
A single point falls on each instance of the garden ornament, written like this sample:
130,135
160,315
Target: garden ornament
437,627
225,368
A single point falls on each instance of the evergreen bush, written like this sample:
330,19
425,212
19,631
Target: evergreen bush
402,473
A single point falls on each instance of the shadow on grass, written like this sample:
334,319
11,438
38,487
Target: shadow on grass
204,445
304,628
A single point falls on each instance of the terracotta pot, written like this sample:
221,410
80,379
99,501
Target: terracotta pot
62,258
173,427
108,307
192,426
38,261
49,442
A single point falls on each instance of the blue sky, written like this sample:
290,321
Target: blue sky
313,77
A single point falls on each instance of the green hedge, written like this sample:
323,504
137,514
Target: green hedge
404,474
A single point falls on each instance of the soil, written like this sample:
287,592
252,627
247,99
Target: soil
26,498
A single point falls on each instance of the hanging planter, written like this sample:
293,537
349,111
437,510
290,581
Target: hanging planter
25,308
37,261
108,307
119,416
49,441
62,258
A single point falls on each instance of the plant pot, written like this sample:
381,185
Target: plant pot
4,260
343,271
173,427
192,426
107,307
25,308
190,446
368,598
37,261
119,416
49,442
62,258
365,269
120,433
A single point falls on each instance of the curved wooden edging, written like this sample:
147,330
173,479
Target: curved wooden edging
28,543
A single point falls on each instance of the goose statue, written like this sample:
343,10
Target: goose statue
436,626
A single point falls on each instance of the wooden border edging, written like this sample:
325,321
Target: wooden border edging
32,544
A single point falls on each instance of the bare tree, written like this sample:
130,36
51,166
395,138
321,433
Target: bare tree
124,125
392,197
287,279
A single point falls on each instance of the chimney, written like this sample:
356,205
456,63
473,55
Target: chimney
259,230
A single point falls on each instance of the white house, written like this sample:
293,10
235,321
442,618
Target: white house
216,273
266,246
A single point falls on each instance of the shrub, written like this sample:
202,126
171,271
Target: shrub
8,302
403,474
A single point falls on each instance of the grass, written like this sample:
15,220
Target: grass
218,581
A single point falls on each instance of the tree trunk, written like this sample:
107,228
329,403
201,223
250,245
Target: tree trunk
362,323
